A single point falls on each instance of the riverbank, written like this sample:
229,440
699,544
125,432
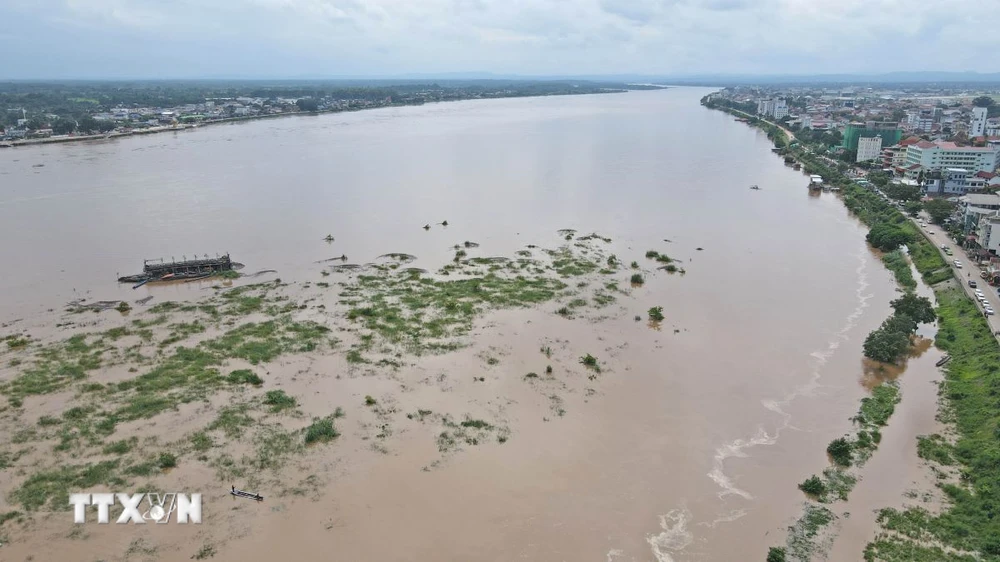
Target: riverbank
964,459
188,126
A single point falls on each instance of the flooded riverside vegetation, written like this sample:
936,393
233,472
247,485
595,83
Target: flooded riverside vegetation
963,460
376,371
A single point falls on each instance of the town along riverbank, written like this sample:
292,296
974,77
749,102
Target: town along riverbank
679,438
954,521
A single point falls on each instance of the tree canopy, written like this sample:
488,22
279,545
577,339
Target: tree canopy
886,345
87,124
307,104
983,101
881,179
916,307
939,210
63,126
901,192
887,237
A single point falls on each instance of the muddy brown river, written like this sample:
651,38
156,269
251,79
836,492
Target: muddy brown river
691,448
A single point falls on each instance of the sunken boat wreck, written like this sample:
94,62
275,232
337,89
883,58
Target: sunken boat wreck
159,270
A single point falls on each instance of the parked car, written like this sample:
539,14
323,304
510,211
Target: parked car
958,264
944,246
972,283
988,312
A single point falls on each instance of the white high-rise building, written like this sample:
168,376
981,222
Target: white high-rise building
772,108
780,109
978,124
869,148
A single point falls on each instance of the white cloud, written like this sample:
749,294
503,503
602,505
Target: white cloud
329,37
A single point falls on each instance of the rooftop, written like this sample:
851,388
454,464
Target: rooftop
982,199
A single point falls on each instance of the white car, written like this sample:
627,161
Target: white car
989,312
980,293
958,264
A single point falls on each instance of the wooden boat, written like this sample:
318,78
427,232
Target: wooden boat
943,360
247,495
754,186
140,283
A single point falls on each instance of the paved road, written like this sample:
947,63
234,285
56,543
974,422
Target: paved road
791,135
969,270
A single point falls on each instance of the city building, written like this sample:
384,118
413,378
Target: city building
889,155
977,126
922,120
981,181
776,108
780,109
949,181
988,233
940,155
975,206
888,130
992,127
869,148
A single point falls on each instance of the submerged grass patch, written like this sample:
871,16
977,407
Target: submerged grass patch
420,313
972,394
896,262
279,401
51,488
56,366
804,540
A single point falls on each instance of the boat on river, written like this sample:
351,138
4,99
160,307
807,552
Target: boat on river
185,270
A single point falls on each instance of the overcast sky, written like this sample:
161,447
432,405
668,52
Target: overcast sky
289,38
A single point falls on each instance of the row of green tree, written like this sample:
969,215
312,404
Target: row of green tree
891,341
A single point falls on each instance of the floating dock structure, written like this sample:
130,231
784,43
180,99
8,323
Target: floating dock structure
157,270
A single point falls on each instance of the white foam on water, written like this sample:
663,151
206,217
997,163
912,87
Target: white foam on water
615,554
725,518
738,447
674,536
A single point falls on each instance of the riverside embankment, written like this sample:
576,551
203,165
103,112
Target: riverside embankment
955,522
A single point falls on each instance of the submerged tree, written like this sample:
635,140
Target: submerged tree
916,307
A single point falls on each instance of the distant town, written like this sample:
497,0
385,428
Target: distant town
918,137
41,112
933,151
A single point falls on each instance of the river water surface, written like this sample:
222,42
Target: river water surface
691,451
